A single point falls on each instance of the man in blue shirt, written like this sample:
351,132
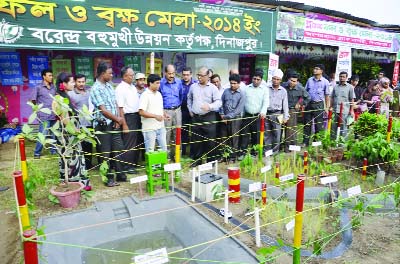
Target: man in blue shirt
318,89
171,91
187,81
108,121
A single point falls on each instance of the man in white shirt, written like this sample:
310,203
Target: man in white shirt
151,110
128,105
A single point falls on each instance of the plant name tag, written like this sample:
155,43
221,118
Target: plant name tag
206,166
158,256
268,153
138,179
286,177
353,191
172,167
330,179
254,187
290,225
266,168
317,143
294,148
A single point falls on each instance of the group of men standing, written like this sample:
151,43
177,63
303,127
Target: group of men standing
215,115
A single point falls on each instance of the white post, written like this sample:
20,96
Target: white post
199,185
193,185
216,167
173,180
151,62
226,209
257,226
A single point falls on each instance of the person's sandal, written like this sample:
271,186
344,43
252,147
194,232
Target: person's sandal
112,184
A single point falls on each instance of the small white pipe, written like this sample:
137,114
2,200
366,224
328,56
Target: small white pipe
226,207
257,226
193,185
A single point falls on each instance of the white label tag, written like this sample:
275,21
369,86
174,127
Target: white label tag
266,168
286,177
268,153
290,225
158,256
354,191
330,179
294,148
254,187
206,166
316,144
172,167
138,179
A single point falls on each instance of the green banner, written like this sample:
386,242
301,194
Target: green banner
134,62
141,25
60,65
84,65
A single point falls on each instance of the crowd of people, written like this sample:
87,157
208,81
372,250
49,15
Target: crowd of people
143,111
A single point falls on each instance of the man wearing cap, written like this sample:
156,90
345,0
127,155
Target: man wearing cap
171,91
278,105
140,83
343,93
257,102
128,104
318,89
297,98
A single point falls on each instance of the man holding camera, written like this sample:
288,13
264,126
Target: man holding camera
108,121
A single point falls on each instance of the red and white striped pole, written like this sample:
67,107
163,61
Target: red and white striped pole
305,162
264,193
364,169
30,247
21,199
24,167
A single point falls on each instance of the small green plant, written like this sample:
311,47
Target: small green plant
53,199
217,191
265,254
103,171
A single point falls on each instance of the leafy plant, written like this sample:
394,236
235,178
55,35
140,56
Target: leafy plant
376,148
67,124
264,254
369,124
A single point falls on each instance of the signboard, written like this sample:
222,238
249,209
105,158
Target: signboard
330,179
138,179
129,25
254,187
35,66
343,63
60,65
10,69
84,65
158,256
273,64
301,29
353,191
134,62
172,167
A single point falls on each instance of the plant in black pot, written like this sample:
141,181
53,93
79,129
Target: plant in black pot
68,136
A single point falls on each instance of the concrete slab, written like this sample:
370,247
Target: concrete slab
173,228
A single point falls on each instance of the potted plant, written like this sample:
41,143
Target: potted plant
68,137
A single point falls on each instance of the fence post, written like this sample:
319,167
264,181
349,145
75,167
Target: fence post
305,162
298,224
24,167
264,193
329,121
178,145
30,248
364,169
277,172
21,199
262,131
389,129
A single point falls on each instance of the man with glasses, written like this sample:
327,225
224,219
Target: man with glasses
171,91
318,89
187,81
203,100
257,102
233,100
220,126
128,103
